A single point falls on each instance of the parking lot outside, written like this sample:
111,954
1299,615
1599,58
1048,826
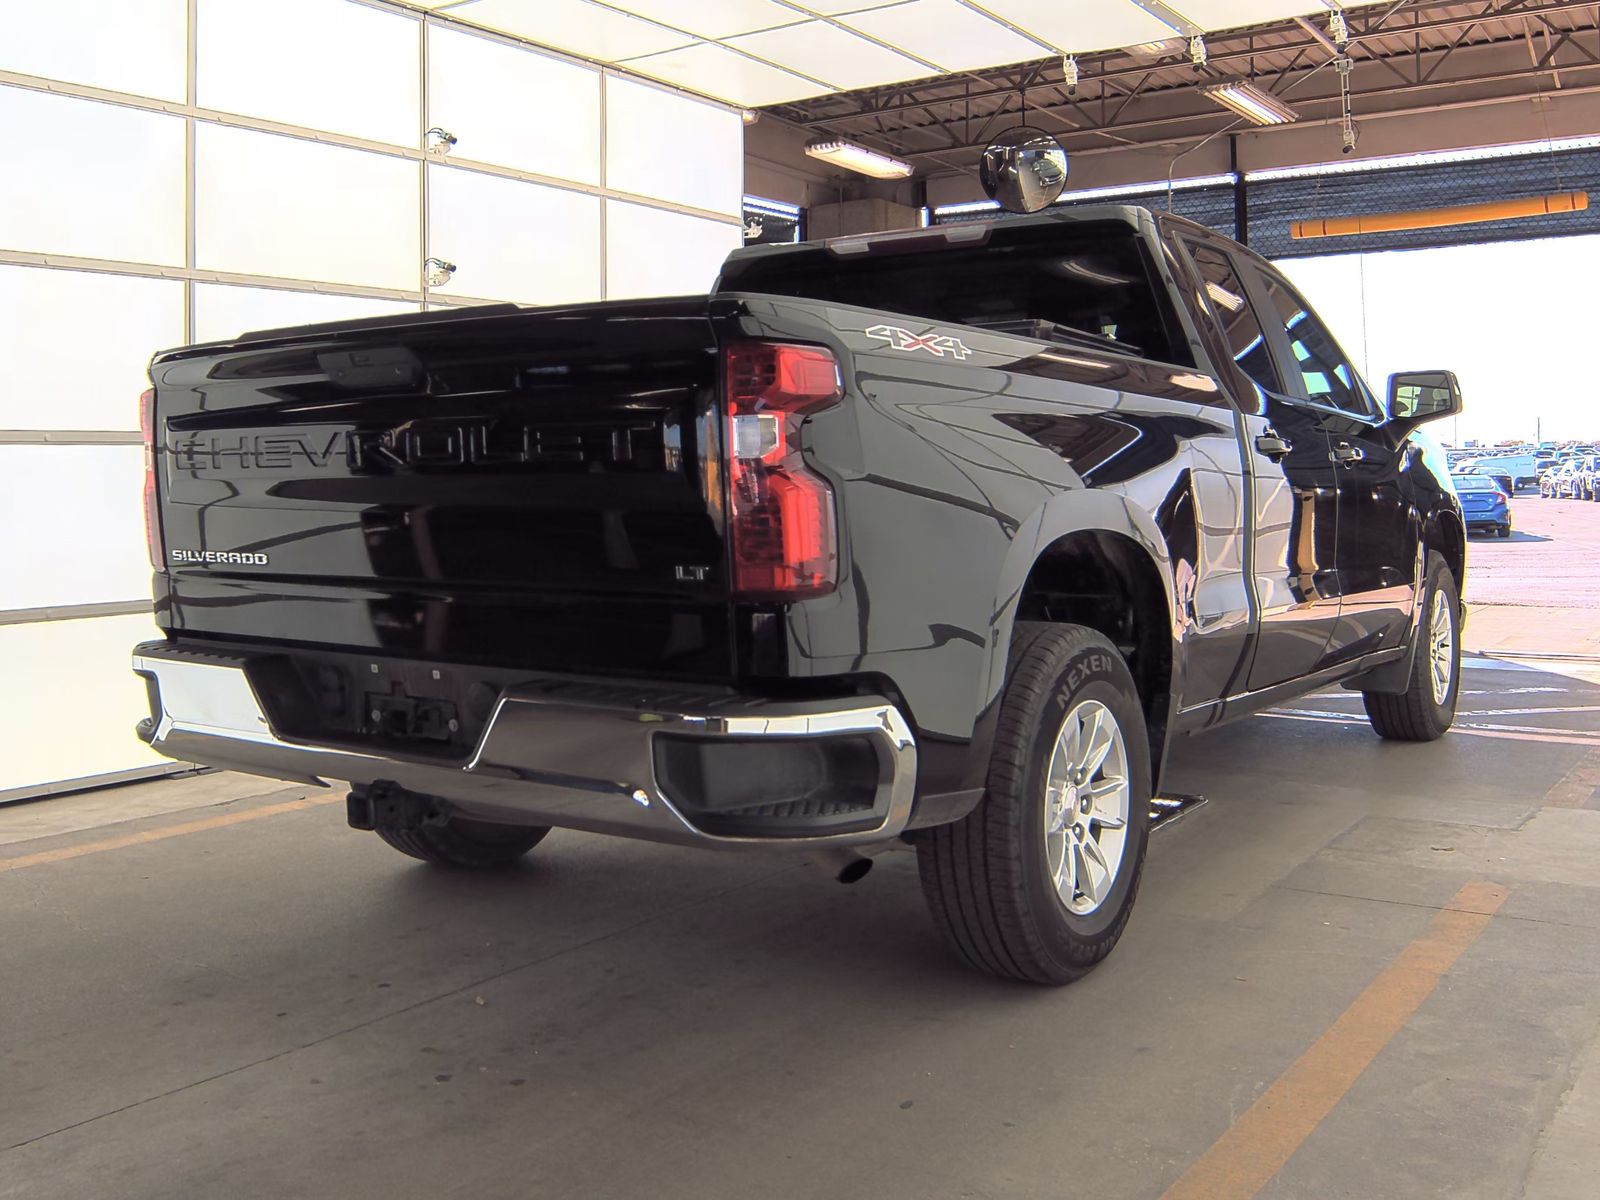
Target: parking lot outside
1539,591
1359,969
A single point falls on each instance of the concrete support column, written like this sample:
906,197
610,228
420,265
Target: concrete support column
859,216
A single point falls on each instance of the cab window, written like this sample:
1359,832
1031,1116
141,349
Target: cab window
1235,315
1328,376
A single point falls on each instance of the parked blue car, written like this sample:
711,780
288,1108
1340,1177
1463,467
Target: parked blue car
1484,503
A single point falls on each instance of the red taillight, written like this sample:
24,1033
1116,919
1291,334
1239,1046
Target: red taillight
781,519
152,515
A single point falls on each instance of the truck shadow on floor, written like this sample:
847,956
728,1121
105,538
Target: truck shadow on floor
592,914
1517,535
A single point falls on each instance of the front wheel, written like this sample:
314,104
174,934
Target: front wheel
1427,708
1038,882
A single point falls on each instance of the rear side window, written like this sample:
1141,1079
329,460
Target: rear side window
1057,282
1235,315
1329,377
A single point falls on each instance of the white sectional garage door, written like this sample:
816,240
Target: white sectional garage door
269,166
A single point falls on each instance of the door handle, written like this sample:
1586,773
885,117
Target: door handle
1272,444
1346,455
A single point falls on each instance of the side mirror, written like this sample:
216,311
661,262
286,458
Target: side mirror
1418,396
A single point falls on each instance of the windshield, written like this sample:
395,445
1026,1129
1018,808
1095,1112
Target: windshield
1475,483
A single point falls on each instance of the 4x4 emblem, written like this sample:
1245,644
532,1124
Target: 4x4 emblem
938,344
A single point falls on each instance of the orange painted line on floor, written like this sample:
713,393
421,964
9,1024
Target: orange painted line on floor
1255,1148
43,857
1579,786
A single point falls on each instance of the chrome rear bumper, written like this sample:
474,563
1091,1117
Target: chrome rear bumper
552,753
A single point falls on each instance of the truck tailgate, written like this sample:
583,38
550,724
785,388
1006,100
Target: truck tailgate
536,488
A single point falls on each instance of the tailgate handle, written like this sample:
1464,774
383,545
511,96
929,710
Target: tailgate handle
380,367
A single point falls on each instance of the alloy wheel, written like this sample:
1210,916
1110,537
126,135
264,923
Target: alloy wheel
1086,807
1441,648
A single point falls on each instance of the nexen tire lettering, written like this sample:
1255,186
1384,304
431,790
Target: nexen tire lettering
247,558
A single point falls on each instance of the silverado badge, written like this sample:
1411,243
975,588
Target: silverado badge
246,558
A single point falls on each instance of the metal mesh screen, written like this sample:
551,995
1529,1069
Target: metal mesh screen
1212,206
1275,203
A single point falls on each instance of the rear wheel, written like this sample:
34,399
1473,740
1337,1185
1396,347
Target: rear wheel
1427,708
1504,531
459,842
1038,882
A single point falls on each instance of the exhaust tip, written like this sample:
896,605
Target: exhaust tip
854,871
845,865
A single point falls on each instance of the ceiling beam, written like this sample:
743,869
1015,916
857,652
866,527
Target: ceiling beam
1358,98
801,114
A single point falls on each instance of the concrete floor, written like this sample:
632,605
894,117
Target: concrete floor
211,987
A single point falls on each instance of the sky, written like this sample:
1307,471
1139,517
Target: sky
1511,319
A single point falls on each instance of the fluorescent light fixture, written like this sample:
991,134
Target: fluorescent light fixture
858,158
777,208
1231,301
1252,103
1138,189
966,206
1157,49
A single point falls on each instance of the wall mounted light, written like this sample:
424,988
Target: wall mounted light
858,159
440,141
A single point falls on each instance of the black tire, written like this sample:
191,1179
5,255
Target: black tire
1504,531
987,878
1417,714
462,843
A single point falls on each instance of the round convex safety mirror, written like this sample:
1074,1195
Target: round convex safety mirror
1024,169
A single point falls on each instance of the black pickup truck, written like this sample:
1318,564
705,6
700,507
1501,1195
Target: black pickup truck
939,536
